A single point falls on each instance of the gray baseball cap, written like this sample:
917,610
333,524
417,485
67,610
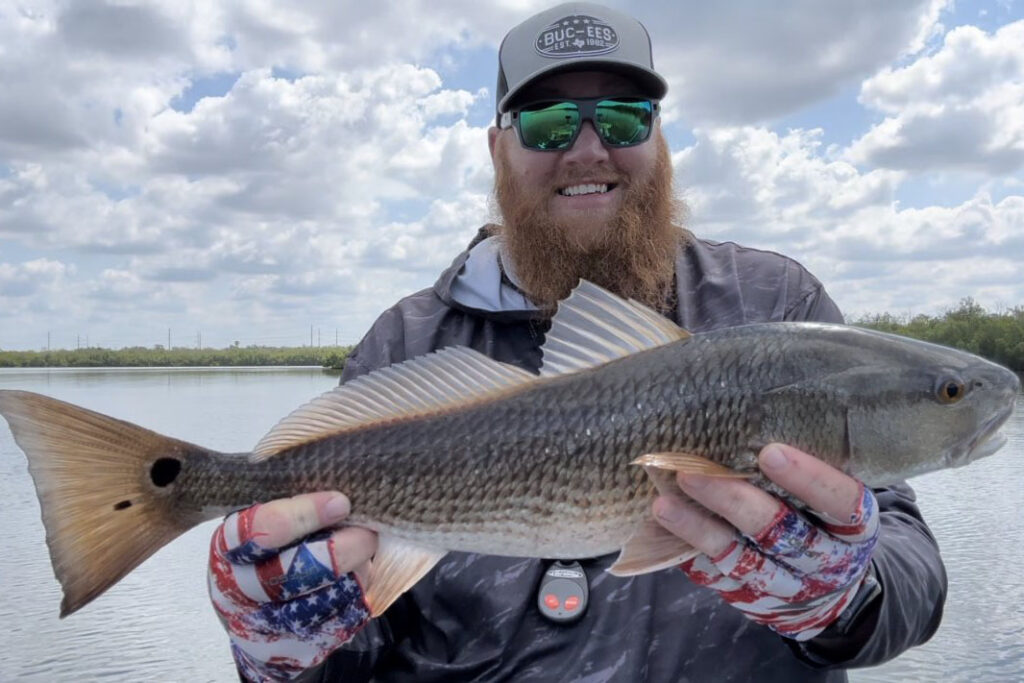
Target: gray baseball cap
575,36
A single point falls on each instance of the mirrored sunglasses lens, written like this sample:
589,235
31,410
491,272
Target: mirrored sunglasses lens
550,126
624,122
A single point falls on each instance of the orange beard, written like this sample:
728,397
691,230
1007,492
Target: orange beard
634,257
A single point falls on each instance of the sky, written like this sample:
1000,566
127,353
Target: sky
250,171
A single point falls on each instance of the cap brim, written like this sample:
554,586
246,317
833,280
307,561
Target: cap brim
651,83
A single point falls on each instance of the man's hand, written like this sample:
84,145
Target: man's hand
288,598
794,572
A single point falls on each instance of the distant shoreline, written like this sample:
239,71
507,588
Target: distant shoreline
998,337
329,357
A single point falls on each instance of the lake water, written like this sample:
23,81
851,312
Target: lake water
156,624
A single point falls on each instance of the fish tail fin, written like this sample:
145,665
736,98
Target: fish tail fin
105,487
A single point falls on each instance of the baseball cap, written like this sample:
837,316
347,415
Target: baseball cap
575,36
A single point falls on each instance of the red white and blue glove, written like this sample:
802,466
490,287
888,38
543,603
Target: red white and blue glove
799,573
285,609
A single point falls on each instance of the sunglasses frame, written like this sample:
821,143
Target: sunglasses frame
587,107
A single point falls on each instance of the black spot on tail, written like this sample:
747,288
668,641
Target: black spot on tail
165,471
123,505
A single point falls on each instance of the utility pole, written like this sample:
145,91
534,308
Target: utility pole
168,339
47,341
310,336
335,336
78,342
318,337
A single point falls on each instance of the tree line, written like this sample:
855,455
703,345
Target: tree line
998,337
138,356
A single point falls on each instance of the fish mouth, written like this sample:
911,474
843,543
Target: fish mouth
988,440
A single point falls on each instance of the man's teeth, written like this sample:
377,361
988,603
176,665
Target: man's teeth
583,189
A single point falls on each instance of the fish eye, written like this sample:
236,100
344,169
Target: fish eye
950,391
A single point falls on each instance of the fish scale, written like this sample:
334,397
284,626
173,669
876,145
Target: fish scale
454,451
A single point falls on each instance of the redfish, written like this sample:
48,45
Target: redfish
454,451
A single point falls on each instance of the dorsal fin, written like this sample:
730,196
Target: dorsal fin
427,384
593,326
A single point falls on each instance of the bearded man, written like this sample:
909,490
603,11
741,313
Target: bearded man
583,184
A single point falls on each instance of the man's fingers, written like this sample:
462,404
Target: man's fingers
822,487
707,534
742,504
352,548
282,522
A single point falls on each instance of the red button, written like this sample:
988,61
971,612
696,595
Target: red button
572,602
551,601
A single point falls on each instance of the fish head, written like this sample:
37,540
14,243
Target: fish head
919,407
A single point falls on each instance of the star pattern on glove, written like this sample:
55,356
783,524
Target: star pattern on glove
285,609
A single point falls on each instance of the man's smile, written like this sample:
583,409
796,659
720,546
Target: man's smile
586,188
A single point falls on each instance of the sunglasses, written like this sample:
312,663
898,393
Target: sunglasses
554,125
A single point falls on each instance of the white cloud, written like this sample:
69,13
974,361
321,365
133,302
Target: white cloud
314,36
32,277
756,61
275,196
752,184
783,193
252,167
119,31
961,108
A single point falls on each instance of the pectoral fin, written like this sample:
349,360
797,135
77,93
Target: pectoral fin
689,464
397,566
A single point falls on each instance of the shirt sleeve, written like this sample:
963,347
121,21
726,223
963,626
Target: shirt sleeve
814,306
380,347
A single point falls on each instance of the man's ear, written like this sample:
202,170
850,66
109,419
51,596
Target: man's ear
492,140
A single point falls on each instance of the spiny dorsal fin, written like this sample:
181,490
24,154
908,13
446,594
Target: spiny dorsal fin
424,385
594,326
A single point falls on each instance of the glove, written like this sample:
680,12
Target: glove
797,575
285,609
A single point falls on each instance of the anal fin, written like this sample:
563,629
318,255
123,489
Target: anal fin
650,548
688,463
397,566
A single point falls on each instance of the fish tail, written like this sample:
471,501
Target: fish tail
105,486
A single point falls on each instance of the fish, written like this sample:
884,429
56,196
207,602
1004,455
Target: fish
454,451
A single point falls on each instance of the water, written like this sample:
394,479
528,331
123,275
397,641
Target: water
156,624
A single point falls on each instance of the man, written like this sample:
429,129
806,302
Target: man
584,185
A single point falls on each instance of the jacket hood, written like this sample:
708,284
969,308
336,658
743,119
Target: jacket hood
479,281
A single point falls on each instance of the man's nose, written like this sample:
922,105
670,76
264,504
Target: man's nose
587,148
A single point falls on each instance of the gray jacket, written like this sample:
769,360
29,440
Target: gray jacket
474,618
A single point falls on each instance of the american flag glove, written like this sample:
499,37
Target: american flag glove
285,610
796,575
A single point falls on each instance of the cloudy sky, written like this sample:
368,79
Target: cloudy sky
250,169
